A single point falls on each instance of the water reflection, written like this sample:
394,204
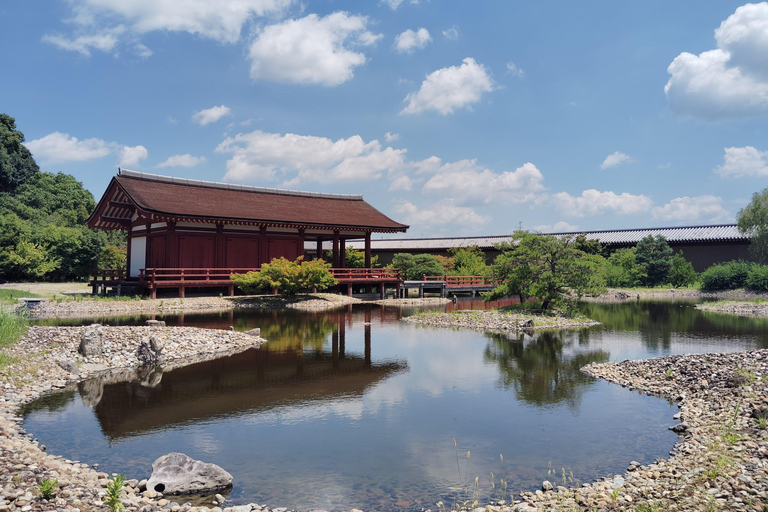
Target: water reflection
539,370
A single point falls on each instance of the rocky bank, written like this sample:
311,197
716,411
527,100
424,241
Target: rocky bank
497,321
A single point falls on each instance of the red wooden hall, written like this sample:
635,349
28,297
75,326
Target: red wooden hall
197,233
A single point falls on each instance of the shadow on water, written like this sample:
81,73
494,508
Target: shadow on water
355,409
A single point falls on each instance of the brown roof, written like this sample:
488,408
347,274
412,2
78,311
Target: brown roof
182,199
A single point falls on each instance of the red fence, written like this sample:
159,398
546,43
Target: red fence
363,275
464,280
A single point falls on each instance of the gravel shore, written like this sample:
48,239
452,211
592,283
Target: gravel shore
497,321
735,307
719,463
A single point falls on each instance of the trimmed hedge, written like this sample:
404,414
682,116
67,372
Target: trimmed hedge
726,276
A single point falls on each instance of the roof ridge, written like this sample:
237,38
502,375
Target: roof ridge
228,186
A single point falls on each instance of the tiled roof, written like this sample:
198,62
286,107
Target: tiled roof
169,197
717,233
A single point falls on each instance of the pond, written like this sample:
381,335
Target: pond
356,409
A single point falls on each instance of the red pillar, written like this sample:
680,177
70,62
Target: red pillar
368,250
336,250
343,255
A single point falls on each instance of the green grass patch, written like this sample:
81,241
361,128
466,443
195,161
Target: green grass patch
12,296
13,326
530,307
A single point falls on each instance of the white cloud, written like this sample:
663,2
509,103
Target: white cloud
105,41
472,182
743,162
730,81
593,202
131,156
391,137
446,214
615,159
59,147
402,182
512,69
692,209
311,50
394,4
303,158
452,33
449,88
559,227
183,161
210,115
409,40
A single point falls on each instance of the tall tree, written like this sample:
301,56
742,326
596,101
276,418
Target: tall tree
546,267
655,255
753,221
16,162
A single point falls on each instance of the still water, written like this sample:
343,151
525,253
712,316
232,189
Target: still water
358,409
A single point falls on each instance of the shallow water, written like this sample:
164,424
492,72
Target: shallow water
357,409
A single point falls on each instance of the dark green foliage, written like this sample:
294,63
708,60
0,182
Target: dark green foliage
112,257
588,246
753,221
468,261
681,273
546,267
655,255
287,277
413,268
16,162
42,230
621,269
726,276
757,278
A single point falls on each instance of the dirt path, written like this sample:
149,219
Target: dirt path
49,289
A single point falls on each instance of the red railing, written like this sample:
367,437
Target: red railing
366,274
181,275
464,280
107,277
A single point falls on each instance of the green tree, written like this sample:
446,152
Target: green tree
27,260
753,221
413,268
468,261
287,277
353,258
681,273
546,267
621,269
588,245
112,257
16,162
655,255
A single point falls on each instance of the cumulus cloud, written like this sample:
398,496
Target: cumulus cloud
446,214
401,182
183,161
473,182
558,227
450,88
391,137
409,40
59,147
210,115
220,21
131,156
743,162
304,158
394,4
731,80
593,202
692,209
311,50
615,159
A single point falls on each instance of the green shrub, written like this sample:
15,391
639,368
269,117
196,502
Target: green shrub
412,268
115,493
287,277
757,278
726,276
48,488
622,269
12,327
681,273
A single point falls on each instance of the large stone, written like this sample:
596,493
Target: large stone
92,341
177,473
150,350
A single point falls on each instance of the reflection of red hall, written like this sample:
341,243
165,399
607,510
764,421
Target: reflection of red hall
179,224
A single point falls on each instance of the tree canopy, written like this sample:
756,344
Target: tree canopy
412,268
16,162
753,221
655,255
547,267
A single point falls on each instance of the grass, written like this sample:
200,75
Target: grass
48,488
12,327
114,493
12,296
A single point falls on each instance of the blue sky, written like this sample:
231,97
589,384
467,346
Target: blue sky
457,118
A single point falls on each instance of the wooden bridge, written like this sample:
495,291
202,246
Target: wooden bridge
360,280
